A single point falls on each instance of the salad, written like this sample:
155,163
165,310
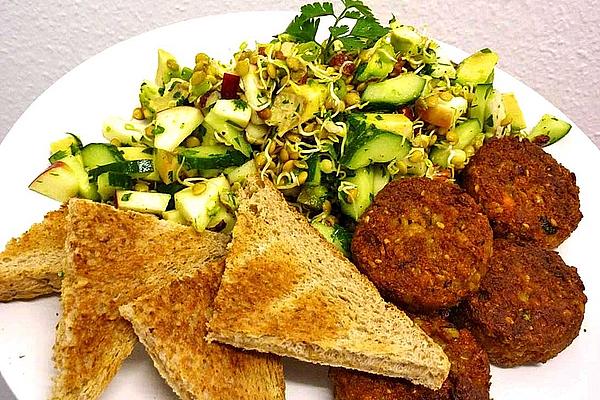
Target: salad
330,122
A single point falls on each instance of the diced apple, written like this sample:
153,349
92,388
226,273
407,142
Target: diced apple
199,208
58,182
147,202
173,125
166,165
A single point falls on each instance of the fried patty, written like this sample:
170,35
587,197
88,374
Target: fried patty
526,194
469,377
424,243
530,305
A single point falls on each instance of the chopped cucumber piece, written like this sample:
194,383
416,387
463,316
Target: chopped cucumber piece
548,130
134,169
198,209
211,157
397,91
513,111
381,177
360,197
172,126
136,153
313,196
242,172
146,202
367,145
466,133
479,102
125,131
109,182
97,154
477,68
336,235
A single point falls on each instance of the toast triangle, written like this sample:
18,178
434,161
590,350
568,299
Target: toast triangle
285,290
114,256
171,323
31,265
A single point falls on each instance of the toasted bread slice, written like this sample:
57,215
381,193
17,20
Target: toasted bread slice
114,257
287,291
31,265
171,323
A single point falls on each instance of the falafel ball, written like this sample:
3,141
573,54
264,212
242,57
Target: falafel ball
424,243
530,305
469,377
524,191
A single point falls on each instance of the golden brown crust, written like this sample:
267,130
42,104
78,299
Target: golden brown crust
530,306
171,323
287,291
526,194
424,243
31,265
114,257
469,377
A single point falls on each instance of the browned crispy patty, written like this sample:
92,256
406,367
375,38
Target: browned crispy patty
525,193
530,305
469,377
424,243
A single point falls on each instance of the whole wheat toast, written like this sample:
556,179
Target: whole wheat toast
171,323
287,291
31,265
114,257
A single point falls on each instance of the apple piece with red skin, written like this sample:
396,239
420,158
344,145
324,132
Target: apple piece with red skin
59,182
230,86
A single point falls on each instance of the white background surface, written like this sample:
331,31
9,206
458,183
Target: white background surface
553,46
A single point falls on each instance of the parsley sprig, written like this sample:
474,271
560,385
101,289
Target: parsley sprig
363,34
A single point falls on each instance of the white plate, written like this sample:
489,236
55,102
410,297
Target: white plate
108,83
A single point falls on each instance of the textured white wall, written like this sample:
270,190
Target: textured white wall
553,47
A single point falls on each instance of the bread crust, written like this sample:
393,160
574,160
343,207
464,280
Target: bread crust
171,323
114,256
32,264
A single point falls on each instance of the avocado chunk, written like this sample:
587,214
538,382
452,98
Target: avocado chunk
380,64
395,123
477,68
405,39
513,111
296,104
